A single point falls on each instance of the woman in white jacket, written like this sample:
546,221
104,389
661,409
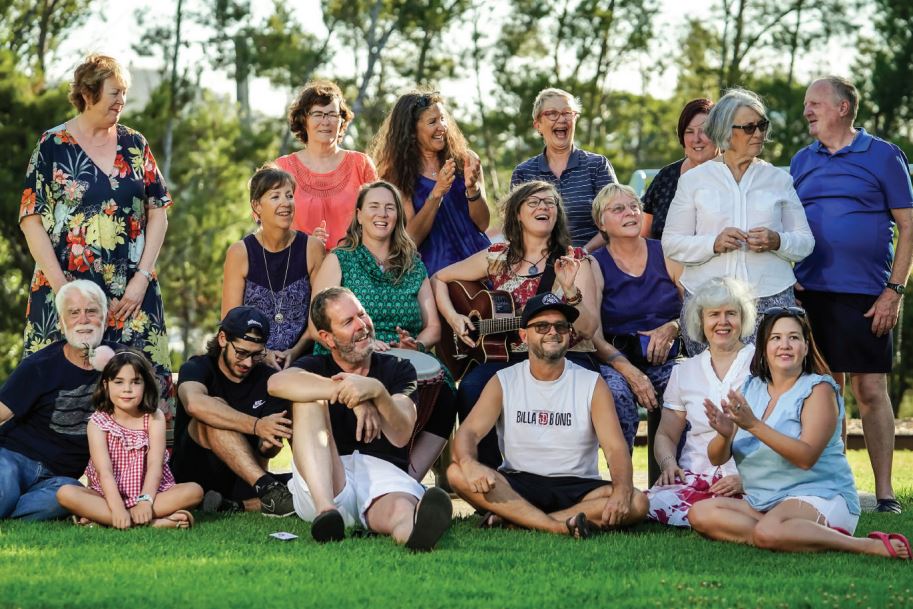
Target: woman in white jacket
738,216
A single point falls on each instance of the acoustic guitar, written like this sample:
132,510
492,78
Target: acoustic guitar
495,319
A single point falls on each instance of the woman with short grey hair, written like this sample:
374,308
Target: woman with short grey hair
738,216
720,314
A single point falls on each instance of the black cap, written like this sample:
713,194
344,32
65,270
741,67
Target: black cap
240,320
546,302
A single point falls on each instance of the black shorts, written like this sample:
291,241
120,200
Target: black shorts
552,493
190,462
844,337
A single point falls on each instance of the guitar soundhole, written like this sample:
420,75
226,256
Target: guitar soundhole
503,304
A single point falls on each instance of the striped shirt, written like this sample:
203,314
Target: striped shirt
585,175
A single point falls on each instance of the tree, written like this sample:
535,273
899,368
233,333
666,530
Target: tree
32,29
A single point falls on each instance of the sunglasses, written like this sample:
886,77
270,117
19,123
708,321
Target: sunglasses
544,327
791,311
750,128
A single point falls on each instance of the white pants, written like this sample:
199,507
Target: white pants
834,511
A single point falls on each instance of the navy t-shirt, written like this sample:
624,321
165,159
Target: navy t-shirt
51,400
396,374
248,396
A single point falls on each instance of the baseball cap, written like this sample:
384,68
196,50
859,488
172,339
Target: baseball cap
545,302
240,320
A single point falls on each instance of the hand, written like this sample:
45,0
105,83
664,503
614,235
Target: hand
133,296
367,425
738,411
272,428
640,385
617,507
718,421
729,239
481,478
120,518
762,239
406,340
671,474
280,360
727,486
566,269
353,389
462,326
141,513
472,171
661,341
884,312
380,345
321,232
272,359
444,179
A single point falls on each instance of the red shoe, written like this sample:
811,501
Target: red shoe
886,540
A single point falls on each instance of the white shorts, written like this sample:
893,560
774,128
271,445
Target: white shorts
834,511
367,479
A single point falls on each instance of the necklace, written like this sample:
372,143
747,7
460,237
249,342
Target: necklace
379,262
534,266
277,301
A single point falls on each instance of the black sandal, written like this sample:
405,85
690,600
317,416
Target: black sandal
579,527
328,526
432,518
889,506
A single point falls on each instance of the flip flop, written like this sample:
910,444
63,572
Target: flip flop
328,526
433,515
886,540
904,541
579,527
490,520
82,522
184,524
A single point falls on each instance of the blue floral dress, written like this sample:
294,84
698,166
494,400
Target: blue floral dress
96,224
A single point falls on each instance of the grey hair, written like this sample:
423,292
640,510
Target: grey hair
549,93
722,116
607,194
718,292
87,288
844,90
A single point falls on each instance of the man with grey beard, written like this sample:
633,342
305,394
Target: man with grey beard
352,419
45,406
551,416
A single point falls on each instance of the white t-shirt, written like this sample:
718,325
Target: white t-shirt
690,384
545,427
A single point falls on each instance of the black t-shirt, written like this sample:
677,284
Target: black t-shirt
51,400
248,396
397,375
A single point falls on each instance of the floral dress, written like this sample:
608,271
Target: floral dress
96,224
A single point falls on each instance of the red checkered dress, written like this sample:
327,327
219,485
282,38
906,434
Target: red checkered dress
127,449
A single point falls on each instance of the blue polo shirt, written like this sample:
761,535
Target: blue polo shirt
848,197
586,174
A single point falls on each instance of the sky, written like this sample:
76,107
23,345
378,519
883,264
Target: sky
114,32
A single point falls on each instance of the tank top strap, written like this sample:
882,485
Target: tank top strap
255,268
656,260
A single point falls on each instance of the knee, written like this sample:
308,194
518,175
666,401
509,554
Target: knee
766,535
67,496
194,493
455,478
700,517
871,391
640,505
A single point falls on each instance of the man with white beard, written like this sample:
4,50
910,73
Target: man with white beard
45,405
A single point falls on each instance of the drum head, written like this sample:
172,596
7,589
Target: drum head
426,366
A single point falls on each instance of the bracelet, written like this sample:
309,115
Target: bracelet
420,346
574,300
474,197
145,274
256,420
613,357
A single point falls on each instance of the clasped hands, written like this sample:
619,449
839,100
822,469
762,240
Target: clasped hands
357,393
758,239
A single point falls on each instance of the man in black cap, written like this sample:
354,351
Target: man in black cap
551,416
227,426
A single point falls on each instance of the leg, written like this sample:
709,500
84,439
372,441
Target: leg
725,519
85,503
392,515
659,376
425,451
625,403
594,503
184,496
316,455
468,394
39,502
233,449
871,391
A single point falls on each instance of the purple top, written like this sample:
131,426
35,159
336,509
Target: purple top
632,304
848,197
290,295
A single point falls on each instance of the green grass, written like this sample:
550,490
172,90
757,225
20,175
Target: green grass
232,562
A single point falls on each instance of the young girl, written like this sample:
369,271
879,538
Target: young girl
129,480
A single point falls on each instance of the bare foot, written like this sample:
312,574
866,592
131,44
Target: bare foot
181,519
890,546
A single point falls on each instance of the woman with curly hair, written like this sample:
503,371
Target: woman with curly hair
421,151
328,177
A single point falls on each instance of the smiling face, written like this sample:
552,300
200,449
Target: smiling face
351,335
107,110
276,208
722,326
622,216
126,389
825,113
239,356
741,143
698,147
538,213
324,129
377,215
431,129
786,347
82,322
558,133
549,347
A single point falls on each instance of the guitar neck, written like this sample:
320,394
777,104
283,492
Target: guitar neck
498,325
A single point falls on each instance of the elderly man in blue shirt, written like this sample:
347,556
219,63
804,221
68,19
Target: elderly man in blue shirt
855,188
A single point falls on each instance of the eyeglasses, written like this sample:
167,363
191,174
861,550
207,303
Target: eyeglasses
750,128
792,311
620,209
319,116
535,202
554,115
544,327
243,354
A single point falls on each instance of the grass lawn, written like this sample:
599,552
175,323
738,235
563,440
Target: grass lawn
231,562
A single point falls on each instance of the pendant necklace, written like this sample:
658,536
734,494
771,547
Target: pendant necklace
277,301
379,262
534,266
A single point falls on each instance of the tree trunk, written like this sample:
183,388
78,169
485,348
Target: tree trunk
490,162
794,45
172,95
242,79
375,44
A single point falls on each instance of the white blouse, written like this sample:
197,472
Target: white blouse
709,199
691,382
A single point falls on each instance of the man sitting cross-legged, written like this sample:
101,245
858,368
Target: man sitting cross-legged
353,418
227,426
551,417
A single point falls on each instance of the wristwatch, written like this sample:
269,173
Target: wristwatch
897,287
144,497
